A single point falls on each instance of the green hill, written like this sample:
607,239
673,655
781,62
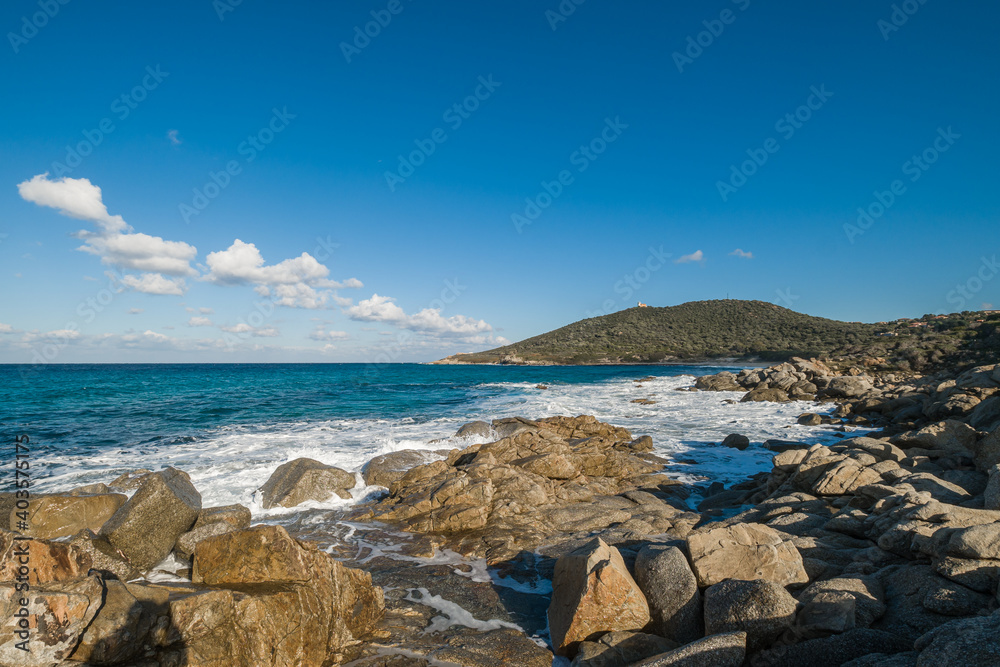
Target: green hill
706,330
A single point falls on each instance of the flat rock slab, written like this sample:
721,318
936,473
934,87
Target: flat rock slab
61,514
745,551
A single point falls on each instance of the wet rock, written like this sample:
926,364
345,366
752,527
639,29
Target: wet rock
59,613
809,419
736,441
724,381
495,648
297,481
146,527
765,394
61,515
761,609
725,650
745,551
593,593
665,577
477,429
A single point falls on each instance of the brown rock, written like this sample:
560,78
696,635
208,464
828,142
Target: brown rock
117,632
237,516
762,609
745,551
145,528
297,481
386,469
765,394
49,561
61,514
129,481
58,614
593,593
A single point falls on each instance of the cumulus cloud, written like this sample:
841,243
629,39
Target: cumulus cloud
429,320
696,256
6,329
114,241
297,282
740,253
200,322
154,283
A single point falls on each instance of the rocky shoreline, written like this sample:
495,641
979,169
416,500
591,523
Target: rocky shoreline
554,535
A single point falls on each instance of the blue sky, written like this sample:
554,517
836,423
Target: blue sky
212,181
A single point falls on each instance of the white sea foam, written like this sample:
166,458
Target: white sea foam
453,614
229,463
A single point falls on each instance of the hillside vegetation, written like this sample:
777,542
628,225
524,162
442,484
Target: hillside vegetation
707,330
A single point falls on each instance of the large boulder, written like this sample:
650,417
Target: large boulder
725,650
950,436
724,381
848,386
619,649
745,551
969,642
736,441
268,556
237,516
117,633
145,528
833,651
477,429
58,614
385,469
61,514
991,497
762,609
297,481
593,593
665,577
987,451
766,394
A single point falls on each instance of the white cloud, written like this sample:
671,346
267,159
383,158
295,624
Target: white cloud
243,329
6,329
135,311
429,320
200,322
740,253
74,197
321,335
174,139
697,256
154,283
206,311
298,282
115,242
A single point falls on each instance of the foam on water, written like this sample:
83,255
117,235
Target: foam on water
453,614
228,463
